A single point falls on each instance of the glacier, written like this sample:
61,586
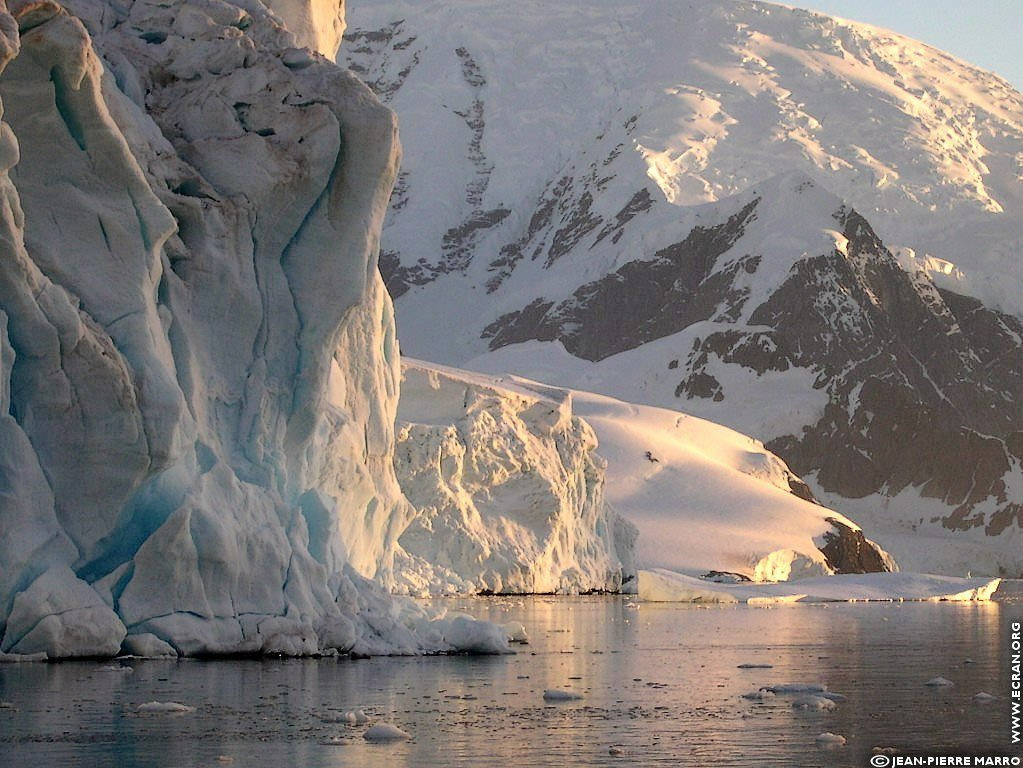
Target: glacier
198,361
705,500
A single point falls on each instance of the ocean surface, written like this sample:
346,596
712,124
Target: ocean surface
660,684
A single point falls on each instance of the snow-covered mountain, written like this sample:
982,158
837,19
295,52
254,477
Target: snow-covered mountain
800,227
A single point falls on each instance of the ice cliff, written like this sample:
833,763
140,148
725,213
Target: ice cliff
508,486
198,369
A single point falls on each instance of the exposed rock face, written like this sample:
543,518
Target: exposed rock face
917,397
198,369
848,551
641,300
508,487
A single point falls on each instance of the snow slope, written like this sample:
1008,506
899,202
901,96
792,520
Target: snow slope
702,497
763,216
198,368
706,498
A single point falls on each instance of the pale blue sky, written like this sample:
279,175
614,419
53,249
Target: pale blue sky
988,33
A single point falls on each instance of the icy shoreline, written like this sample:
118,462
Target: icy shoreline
660,585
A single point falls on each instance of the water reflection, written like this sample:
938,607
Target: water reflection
661,685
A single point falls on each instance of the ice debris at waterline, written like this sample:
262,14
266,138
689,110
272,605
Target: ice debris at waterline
163,708
383,732
813,703
198,363
557,694
661,585
830,740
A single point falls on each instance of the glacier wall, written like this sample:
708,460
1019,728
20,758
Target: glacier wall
198,367
508,488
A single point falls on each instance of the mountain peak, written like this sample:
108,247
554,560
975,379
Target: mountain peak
703,100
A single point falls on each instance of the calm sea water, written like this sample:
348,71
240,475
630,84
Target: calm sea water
661,685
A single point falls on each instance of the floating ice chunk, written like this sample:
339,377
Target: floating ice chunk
833,696
163,708
830,740
556,694
122,668
516,632
468,635
760,695
813,704
984,698
386,732
790,688
937,682
356,717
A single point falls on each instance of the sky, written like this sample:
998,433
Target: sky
986,33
